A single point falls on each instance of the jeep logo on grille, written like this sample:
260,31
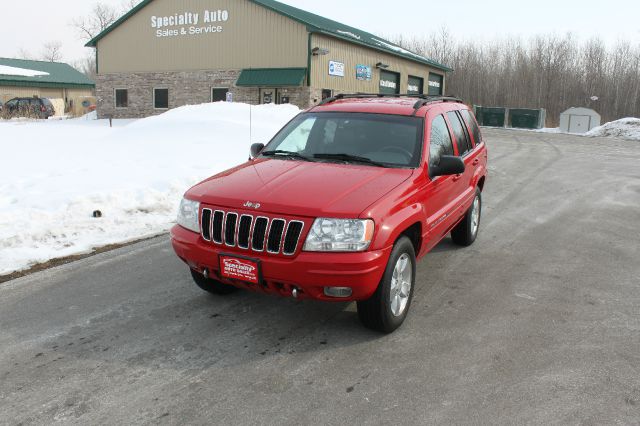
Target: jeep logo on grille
251,205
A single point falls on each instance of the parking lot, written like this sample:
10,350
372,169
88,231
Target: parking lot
537,322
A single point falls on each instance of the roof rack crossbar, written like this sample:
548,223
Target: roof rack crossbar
422,99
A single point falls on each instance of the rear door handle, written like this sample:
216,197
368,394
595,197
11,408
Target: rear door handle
476,162
457,178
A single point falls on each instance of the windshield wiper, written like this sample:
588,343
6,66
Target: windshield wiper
282,153
349,158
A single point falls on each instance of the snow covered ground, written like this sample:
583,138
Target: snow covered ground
626,128
54,174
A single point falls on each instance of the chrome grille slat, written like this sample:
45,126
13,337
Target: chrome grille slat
249,232
216,226
205,224
276,231
230,224
244,231
259,233
292,237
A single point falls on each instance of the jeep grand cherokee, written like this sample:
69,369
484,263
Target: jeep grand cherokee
340,204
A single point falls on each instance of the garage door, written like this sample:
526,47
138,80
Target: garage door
389,82
416,85
435,84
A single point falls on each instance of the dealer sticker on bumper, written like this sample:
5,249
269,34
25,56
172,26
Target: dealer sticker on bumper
241,269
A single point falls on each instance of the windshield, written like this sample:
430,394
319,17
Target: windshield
374,139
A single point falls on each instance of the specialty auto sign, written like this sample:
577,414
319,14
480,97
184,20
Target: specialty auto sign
190,23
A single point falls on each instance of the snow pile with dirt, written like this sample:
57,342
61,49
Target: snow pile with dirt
21,72
55,174
626,128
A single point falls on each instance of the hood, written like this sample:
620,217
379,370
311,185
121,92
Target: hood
300,188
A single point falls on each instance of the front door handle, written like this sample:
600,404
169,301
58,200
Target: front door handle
476,162
457,178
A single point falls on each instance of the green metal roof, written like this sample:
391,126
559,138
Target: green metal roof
59,75
271,77
316,24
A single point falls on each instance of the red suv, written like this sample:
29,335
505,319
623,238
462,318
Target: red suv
340,204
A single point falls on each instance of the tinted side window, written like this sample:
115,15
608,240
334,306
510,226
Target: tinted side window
440,141
464,145
473,124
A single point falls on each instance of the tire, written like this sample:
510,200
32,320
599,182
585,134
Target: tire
212,286
466,232
377,313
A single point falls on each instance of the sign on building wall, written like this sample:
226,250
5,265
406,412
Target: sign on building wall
363,72
190,23
336,69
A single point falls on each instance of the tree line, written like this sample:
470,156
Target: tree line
554,72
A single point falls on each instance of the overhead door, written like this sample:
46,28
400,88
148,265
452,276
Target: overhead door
389,82
435,84
415,86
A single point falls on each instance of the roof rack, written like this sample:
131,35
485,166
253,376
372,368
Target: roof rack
422,99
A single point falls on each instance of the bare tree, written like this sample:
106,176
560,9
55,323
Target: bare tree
102,15
87,65
52,52
546,71
25,54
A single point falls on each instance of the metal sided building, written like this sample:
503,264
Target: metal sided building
164,54
21,78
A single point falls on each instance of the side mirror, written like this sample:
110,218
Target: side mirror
449,165
256,149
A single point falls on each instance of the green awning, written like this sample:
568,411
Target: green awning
271,77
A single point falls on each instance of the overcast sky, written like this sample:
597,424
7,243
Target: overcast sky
28,24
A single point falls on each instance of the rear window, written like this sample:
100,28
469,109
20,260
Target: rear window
393,140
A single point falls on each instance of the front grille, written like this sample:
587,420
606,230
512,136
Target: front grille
247,232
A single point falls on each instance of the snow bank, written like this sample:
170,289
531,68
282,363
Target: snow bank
22,72
626,128
54,174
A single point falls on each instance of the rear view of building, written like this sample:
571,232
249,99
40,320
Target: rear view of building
164,54
65,86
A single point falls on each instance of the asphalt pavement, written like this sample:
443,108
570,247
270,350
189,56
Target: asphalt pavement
537,323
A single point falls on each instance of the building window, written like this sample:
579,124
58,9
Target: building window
161,98
122,98
326,93
219,94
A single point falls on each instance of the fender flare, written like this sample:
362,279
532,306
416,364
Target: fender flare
397,223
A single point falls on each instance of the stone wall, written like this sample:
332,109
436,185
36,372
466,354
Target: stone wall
185,88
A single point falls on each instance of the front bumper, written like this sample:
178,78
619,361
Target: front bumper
307,272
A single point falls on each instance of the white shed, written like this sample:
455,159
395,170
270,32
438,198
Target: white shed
579,120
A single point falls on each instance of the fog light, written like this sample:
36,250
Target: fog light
338,291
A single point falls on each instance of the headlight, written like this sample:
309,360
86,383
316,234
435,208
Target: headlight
346,235
188,215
